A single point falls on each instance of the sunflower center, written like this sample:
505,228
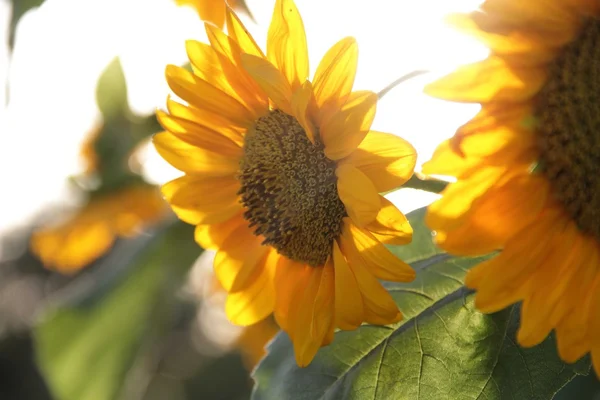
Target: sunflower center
568,110
289,189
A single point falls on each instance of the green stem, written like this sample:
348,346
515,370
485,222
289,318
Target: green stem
429,185
398,81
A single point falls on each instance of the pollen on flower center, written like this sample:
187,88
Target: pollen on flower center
568,111
289,189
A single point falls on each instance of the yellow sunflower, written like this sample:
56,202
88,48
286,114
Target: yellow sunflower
88,234
282,178
212,10
526,168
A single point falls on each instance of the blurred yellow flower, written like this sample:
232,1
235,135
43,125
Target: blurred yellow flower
282,177
91,232
210,10
527,168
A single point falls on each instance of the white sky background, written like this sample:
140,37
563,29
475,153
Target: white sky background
63,46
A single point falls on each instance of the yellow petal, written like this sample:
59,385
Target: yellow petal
206,65
346,129
349,312
199,136
454,206
200,200
207,120
236,262
379,307
188,158
387,160
290,281
497,215
522,46
448,160
239,33
358,194
256,301
336,71
489,80
244,87
390,225
361,246
314,314
212,236
70,247
545,15
286,43
270,80
302,102
203,95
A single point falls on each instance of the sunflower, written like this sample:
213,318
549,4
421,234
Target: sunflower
282,178
89,233
526,168
212,10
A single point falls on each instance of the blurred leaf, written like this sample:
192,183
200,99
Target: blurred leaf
86,352
19,8
442,349
121,132
111,92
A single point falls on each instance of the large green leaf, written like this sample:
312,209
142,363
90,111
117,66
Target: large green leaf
442,349
87,350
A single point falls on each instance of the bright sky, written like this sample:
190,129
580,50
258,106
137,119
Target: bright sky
63,46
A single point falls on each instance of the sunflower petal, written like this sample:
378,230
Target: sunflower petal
489,80
390,225
302,102
207,120
212,236
200,200
497,215
314,314
203,95
286,43
346,129
270,80
239,33
387,160
362,246
290,281
256,301
336,72
199,136
349,312
192,159
236,262
358,194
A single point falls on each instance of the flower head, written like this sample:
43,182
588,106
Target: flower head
526,168
91,231
282,178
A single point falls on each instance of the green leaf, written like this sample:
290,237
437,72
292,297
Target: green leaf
442,349
86,351
19,8
111,91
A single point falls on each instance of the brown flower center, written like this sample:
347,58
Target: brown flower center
568,110
289,189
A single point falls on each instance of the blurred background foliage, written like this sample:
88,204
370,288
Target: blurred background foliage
98,301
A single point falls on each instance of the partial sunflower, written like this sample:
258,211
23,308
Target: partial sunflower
214,10
527,168
282,178
89,233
